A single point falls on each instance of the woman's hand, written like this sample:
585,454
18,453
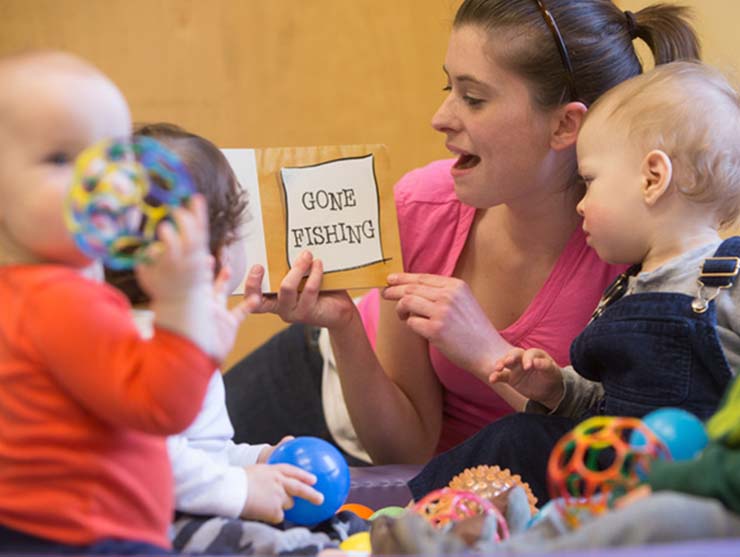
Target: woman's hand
323,309
533,373
444,311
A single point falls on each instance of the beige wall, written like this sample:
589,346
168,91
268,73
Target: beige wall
261,72
256,73
253,73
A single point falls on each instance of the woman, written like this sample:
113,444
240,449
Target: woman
492,241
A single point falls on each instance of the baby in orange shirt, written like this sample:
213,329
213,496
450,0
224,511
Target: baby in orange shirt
86,403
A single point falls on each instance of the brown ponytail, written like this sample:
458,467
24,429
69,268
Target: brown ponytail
665,30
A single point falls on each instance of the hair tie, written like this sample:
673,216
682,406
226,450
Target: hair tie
631,24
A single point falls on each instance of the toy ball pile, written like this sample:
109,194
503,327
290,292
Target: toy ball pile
492,483
596,463
446,505
122,189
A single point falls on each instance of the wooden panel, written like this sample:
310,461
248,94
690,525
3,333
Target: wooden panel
261,73
255,73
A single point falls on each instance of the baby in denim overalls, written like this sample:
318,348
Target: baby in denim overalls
660,158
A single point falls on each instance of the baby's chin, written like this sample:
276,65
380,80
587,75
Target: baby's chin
612,258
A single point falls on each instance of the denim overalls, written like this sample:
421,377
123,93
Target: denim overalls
657,349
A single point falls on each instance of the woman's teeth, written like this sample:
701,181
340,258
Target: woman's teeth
467,161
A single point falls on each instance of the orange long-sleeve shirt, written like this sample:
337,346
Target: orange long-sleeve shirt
84,408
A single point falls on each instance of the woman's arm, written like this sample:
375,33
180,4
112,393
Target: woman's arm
394,398
397,411
444,311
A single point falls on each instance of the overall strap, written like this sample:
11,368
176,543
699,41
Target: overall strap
717,272
720,270
615,290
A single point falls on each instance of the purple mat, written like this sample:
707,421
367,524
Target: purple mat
381,486
700,548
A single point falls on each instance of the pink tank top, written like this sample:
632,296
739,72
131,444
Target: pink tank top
434,226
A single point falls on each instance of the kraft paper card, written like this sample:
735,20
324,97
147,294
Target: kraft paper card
334,201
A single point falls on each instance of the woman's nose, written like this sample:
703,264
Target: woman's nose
444,119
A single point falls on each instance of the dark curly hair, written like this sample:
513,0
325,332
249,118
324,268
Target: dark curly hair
213,178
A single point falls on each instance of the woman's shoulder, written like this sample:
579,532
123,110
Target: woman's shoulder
431,183
433,223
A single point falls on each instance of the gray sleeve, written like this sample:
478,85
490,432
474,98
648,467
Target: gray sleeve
728,325
579,394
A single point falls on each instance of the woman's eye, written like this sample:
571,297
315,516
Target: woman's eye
58,158
467,99
472,101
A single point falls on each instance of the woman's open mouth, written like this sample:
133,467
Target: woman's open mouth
466,161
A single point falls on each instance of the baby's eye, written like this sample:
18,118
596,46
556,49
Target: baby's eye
58,158
586,179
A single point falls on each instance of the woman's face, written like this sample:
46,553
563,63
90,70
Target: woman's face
502,142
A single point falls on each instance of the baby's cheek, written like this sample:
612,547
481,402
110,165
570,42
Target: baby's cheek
594,213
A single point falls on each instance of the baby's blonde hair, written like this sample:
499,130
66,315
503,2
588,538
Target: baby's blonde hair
692,113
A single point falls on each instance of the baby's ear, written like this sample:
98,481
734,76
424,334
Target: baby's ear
657,171
229,259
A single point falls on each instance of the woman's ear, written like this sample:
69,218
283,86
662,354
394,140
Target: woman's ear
566,124
657,171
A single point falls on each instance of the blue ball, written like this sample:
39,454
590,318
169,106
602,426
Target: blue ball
324,461
681,432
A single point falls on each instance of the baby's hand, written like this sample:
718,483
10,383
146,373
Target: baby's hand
177,273
266,452
271,488
179,263
531,372
227,321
